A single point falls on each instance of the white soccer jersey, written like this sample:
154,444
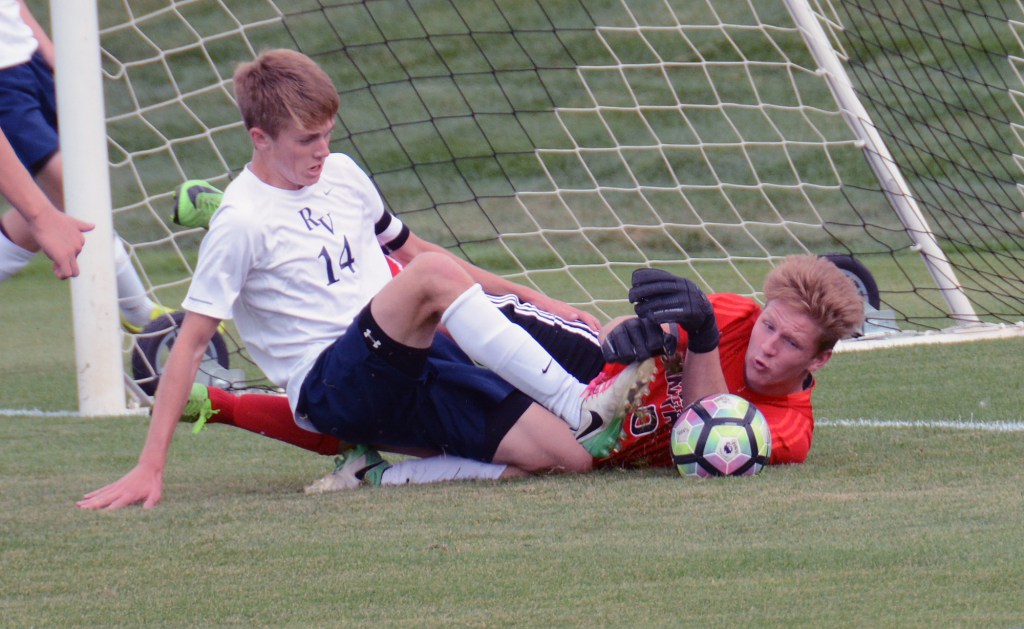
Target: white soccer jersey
17,43
293,268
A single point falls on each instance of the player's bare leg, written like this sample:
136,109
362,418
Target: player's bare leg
433,289
539,442
409,308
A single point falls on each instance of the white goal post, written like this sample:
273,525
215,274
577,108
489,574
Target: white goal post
565,143
98,358
891,179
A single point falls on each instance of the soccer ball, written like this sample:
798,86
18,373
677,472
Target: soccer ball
153,347
721,435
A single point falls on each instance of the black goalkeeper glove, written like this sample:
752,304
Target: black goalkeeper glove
635,340
666,298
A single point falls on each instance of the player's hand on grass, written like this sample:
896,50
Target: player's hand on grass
635,340
666,298
142,484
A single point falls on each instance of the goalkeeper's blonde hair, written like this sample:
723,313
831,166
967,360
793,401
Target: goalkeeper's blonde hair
283,85
816,287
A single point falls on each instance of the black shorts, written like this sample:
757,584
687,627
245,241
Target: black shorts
366,388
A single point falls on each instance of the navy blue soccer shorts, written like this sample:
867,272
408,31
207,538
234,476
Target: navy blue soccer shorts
28,112
367,388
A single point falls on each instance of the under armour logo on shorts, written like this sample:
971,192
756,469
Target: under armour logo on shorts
372,342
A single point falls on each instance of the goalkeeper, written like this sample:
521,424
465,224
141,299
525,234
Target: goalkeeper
704,344
767,356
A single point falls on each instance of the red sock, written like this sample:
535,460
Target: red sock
270,416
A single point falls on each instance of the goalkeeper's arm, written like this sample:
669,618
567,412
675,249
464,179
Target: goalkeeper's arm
702,376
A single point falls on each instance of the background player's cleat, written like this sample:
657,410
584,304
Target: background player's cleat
199,408
156,313
607,401
360,465
195,202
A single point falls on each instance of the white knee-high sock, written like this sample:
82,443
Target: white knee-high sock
135,304
490,339
12,257
438,469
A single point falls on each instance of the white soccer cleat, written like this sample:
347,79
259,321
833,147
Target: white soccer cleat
361,465
607,401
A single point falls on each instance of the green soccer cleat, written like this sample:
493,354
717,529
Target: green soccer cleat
362,465
195,202
601,443
157,312
199,409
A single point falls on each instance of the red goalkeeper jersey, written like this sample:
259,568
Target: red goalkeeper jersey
648,430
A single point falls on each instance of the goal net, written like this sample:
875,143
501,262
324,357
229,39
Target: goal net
565,143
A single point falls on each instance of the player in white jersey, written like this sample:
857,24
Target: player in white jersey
324,235
28,118
294,254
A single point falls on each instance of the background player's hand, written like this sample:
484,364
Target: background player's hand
637,339
60,237
666,298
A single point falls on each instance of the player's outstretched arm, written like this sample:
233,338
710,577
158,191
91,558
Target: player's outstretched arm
141,484
45,43
144,483
496,285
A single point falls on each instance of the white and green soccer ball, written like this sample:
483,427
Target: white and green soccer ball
721,435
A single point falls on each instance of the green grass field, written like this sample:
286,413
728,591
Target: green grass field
906,514
884,526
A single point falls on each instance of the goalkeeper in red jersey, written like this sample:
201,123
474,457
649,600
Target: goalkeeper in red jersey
704,344
767,356
730,344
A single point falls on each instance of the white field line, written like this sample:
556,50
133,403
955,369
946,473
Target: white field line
35,412
963,333
953,424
